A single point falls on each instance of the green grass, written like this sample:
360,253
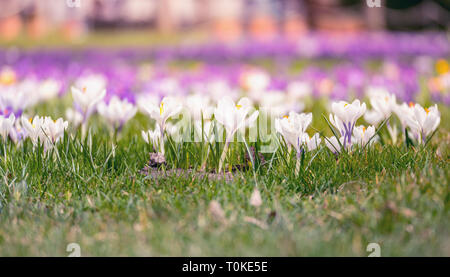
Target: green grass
107,39
390,195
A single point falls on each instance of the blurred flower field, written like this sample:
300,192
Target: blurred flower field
309,148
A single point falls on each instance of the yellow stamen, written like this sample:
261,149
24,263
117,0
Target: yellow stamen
238,106
31,121
411,104
345,105
364,129
286,116
84,89
161,108
427,110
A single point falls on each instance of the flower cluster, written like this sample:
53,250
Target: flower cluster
421,122
88,92
40,130
219,103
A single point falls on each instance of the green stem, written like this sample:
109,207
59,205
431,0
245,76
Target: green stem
224,155
297,167
83,130
203,167
161,143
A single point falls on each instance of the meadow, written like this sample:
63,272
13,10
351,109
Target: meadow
96,186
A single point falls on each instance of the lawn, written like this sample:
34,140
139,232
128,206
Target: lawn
93,192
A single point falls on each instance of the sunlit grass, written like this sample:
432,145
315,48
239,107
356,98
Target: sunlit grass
106,38
88,193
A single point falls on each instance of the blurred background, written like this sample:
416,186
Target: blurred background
230,20
265,49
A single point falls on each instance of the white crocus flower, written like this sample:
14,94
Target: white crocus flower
311,142
233,117
74,117
199,105
333,144
32,128
88,92
168,107
168,86
17,133
278,103
45,129
153,137
336,122
373,117
278,126
220,88
382,102
404,113
293,127
255,80
13,99
117,112
362,135
28,88
146,100
348,114
48,89
424,121
6,125
297,90
53,130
